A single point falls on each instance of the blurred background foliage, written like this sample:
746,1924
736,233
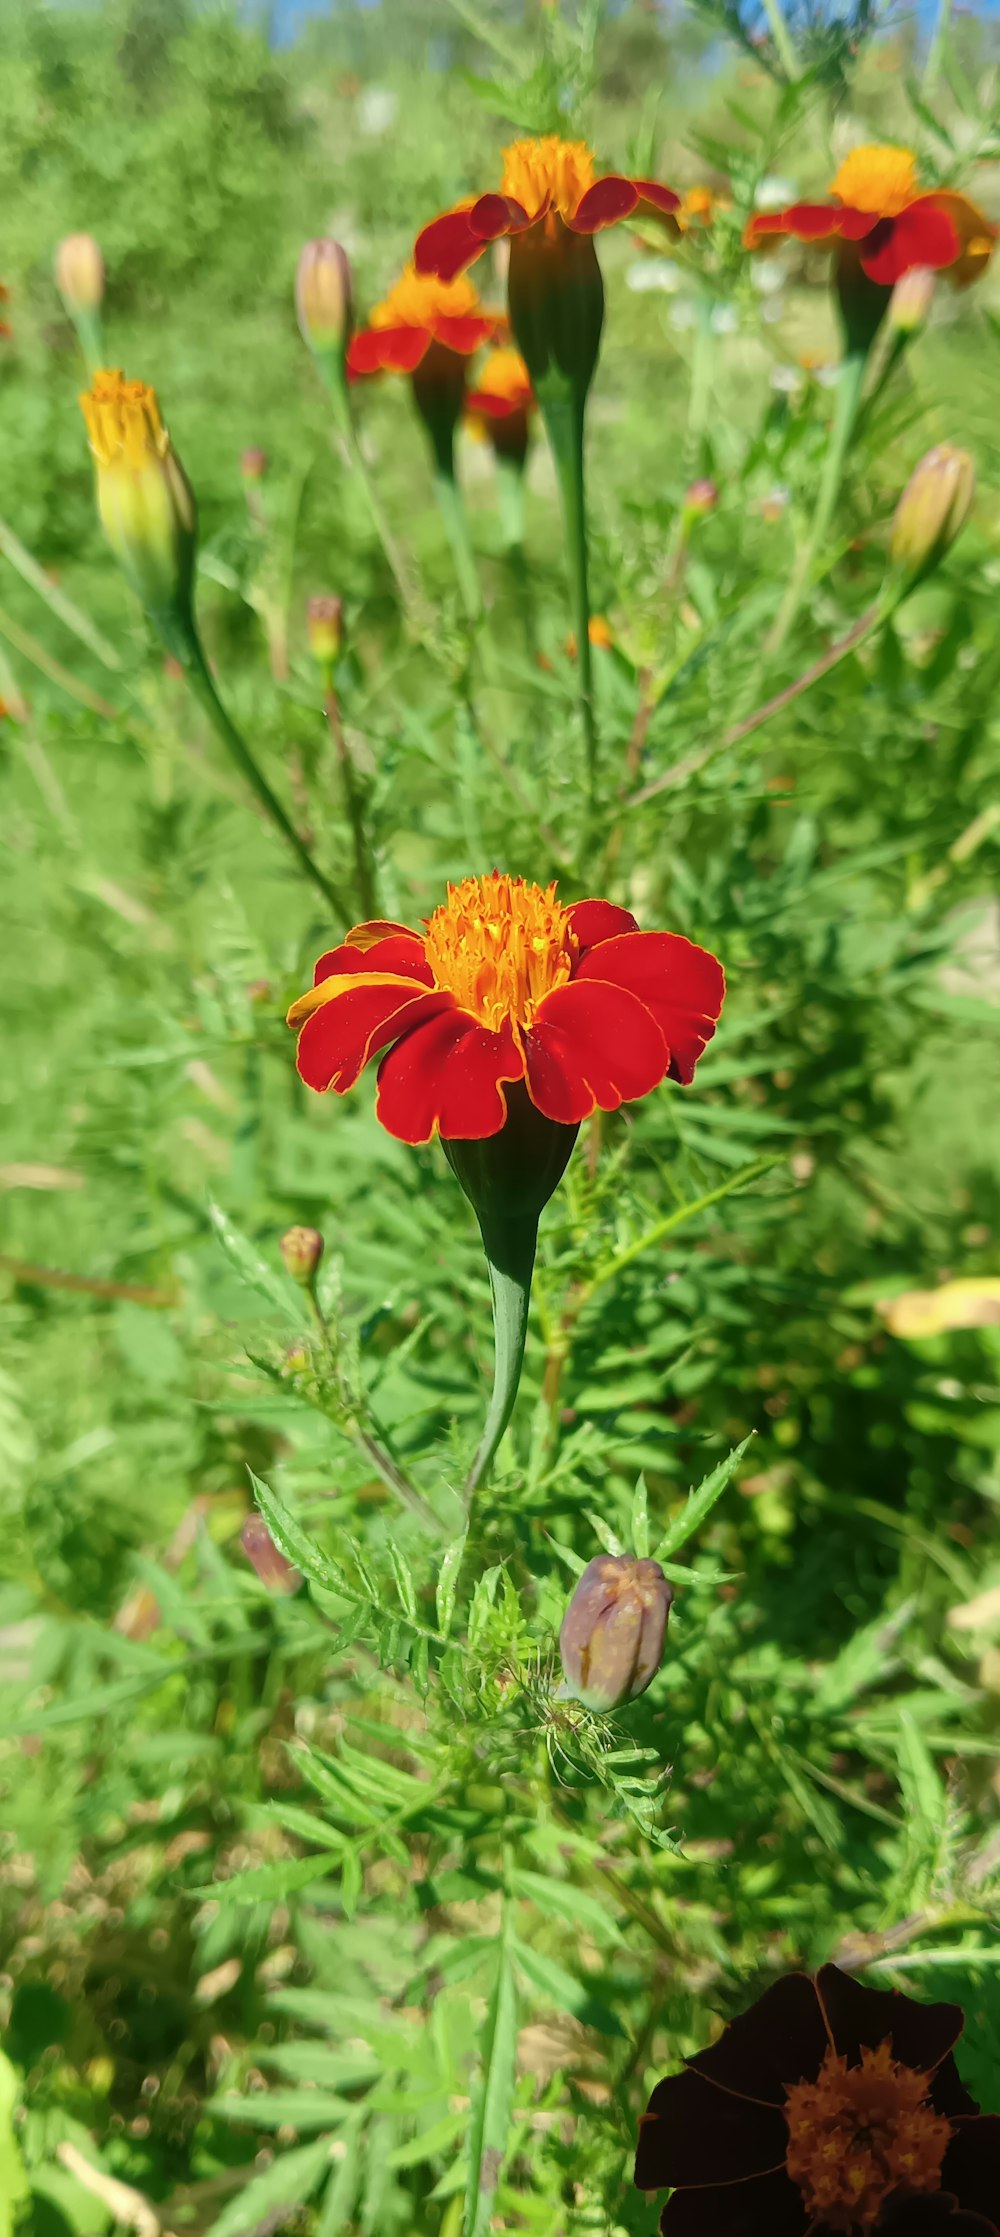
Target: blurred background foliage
318,1911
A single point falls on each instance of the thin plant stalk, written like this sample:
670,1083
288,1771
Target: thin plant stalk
784,44
64,609
364,869
381,1459
456,527
564,419
849,386
189,651
938,45
510,506
31,649
339,389
510,1257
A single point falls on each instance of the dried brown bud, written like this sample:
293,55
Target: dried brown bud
263,1555
612,1634
302,1249
325,624
934,507
324,296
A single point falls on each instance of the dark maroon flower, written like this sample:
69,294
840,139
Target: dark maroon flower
826,2110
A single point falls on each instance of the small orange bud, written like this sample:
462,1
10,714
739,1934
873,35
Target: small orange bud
611,1642
79,271
324,297
911,299
701,497
302,1249
254,463
325,623
933,509
263,1555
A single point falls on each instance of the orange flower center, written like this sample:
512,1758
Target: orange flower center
123,421
420,297
859,2133
505,374
880,181
499,945
548,174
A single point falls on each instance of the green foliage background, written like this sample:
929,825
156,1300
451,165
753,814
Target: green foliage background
323,1911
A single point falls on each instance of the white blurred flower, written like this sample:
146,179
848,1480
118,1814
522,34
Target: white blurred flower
377,110
826,375
774,501
767,274
773,310
683,314
773,193
725,319
652,274
786,379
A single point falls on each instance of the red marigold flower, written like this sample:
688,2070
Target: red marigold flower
827,2110
503,985
549,206
419,314
498,410
878,203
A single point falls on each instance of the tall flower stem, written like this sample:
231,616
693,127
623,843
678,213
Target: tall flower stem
456,527
563,409
510,1256
337,384
510,506
364,868
784,45
852,374
186,645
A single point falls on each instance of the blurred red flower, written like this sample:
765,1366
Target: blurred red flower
877,201
548,186
417,314
505,984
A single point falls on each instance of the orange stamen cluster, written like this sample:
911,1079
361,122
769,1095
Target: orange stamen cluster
548,174
123,421
505,375
859,2133
499,945
879,180
419,298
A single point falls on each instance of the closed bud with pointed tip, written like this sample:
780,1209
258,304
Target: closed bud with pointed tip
911,299
144,498
324,298
254,463
79,270
932,511
700,498
302,1249
264,1557
611,1641
325,624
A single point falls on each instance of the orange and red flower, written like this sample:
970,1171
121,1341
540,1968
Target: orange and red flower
877,202
827,2110
420,314
500,406
504,984
547,184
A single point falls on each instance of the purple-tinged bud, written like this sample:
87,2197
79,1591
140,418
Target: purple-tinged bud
254,463
325,624
932,511
911,299
611,1642
324,297
79,270
702,497
302,1249
263,1555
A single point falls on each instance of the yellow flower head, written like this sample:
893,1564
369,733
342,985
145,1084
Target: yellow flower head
144,499
549,173
879,180
420,299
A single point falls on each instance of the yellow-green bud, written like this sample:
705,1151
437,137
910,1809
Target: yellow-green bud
302,1249
324,297
911,299
933,509
325,623
79,270
145,501
611,1642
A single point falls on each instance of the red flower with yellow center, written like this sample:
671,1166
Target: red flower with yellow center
878,203
506,985
827,2110
547,187
419,314
500,406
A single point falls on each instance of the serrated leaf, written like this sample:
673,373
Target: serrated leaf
447,1583
290,2180
273,2108
269,1883
294,1542
699,1504
640,1521
255,1270
562,1989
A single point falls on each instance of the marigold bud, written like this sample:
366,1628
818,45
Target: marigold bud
933,509
701,497
324,297
325,624
79,272
144,498
263,1555
254,463
910,303
302,1249
612,1634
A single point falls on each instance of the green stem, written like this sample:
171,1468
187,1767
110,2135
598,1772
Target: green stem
510,1257
700,396
563,410
332,368
363,866
452,511
935,53
783,41
27,566
89,334
852,373
186,644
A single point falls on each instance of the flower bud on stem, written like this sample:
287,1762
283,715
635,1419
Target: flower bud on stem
79,274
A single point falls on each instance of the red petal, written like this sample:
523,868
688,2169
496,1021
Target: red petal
700,2135
495,214
921,234
494,407
605,203
378,928
593,921
396,949
387,349
464,334
780,2039
681,985
338,960
808,221
446,1078
447,245
860,2017
591,1045
337,1041
658,200
972,2162
768,2203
